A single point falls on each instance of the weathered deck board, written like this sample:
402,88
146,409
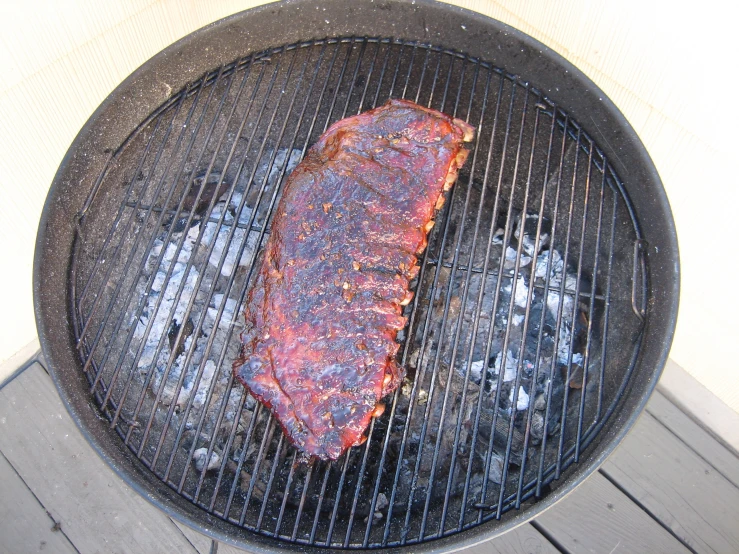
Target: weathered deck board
694,436
692,397
97,511
677,487
597,517
24,524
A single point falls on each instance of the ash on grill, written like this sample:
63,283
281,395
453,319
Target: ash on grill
186,335
525,359
524,363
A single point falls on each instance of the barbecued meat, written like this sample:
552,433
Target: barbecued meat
325,307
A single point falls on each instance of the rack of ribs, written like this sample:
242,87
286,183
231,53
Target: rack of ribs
324,309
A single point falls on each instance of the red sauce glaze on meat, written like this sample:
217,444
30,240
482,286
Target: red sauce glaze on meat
324,310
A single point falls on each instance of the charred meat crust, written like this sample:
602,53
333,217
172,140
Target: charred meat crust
324,310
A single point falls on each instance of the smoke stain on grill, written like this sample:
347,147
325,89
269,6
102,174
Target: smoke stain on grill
203,193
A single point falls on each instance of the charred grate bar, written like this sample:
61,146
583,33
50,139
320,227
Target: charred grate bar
509,377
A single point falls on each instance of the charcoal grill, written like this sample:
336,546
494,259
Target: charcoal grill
544,307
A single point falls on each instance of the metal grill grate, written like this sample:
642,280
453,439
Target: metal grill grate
533,269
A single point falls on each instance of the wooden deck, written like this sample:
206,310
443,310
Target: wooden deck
670,487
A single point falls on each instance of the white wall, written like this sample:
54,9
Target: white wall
671,70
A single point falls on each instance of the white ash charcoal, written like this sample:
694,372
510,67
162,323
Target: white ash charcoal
209,370
498,236
182,256
156,249
517,319
230,262
188,290
170,292
476,369
529,243
273,178
530,227
234,398
377,516
413,358
186,390
510,259
231,209
553,305
570,283
217,211
563,347
168,391
150,349
495,470
277,166
245,213
522,293
422,397
522,402
227,316
555,269
168,321
199,456
159,327
382,502
210,231
167,394
170,306
511,363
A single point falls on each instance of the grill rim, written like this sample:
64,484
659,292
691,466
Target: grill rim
88,155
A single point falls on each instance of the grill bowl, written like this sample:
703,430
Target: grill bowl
642,265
